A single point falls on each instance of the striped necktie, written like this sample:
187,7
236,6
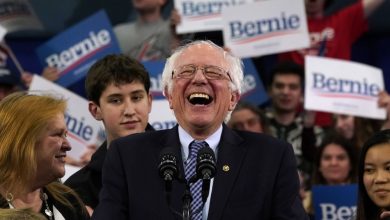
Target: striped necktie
195,188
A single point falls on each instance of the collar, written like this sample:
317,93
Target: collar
186,139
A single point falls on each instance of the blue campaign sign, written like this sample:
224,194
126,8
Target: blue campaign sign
155,69
76,49
253,89
334,202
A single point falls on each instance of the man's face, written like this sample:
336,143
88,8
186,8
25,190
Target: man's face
201,104
286,92
124,109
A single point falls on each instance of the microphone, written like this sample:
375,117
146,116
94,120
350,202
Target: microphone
168,167
205,169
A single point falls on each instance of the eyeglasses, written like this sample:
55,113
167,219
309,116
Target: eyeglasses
210,72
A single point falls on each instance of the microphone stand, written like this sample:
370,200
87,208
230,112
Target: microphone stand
187,198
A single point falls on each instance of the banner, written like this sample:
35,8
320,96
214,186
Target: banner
343,87
334,202
75,50
202,15
265,27
18,15
83,129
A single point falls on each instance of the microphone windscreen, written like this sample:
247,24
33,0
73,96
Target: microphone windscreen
168,163
206,162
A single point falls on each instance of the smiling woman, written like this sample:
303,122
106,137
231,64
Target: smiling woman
374,178
32,151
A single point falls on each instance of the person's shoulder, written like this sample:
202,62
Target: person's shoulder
141,139
79,178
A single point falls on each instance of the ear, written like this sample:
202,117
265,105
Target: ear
150,101
168,97
233,100
95,111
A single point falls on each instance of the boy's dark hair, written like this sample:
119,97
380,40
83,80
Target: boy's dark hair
116,69
287,68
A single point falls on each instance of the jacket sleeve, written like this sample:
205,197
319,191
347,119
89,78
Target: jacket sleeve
113,201
287,204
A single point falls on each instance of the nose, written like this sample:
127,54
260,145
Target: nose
382,176
334,161
128,108
199,75
66,145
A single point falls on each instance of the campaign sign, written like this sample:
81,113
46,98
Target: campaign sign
162,116
253,88
18,15
202,15
83,129
343,87
265,27
75,50
334,202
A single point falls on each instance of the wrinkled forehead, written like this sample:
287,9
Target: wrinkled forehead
202,54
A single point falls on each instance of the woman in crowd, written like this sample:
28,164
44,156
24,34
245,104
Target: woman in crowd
32,151
335,164
374,178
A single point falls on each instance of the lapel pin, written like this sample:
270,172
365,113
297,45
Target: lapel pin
226,168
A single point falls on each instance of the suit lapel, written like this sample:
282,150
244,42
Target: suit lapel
229,160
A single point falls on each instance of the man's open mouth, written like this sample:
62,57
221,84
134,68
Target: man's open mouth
200,99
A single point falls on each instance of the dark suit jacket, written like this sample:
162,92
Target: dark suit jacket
87,182
262,182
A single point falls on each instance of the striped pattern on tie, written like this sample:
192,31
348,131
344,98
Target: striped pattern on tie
195,188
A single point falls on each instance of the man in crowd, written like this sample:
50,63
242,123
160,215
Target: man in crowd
117,87
286,119
149,37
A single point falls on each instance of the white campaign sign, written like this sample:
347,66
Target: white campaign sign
265,27
202,15
343,87
83,129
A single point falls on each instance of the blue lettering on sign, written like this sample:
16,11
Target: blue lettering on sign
193,8
78,127
344,86
239,30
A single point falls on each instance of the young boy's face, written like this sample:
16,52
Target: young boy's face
124,109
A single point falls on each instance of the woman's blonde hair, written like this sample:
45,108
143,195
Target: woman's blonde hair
23,118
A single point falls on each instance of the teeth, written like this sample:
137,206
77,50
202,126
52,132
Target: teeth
199,95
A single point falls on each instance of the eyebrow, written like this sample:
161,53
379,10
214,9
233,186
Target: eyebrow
132,92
